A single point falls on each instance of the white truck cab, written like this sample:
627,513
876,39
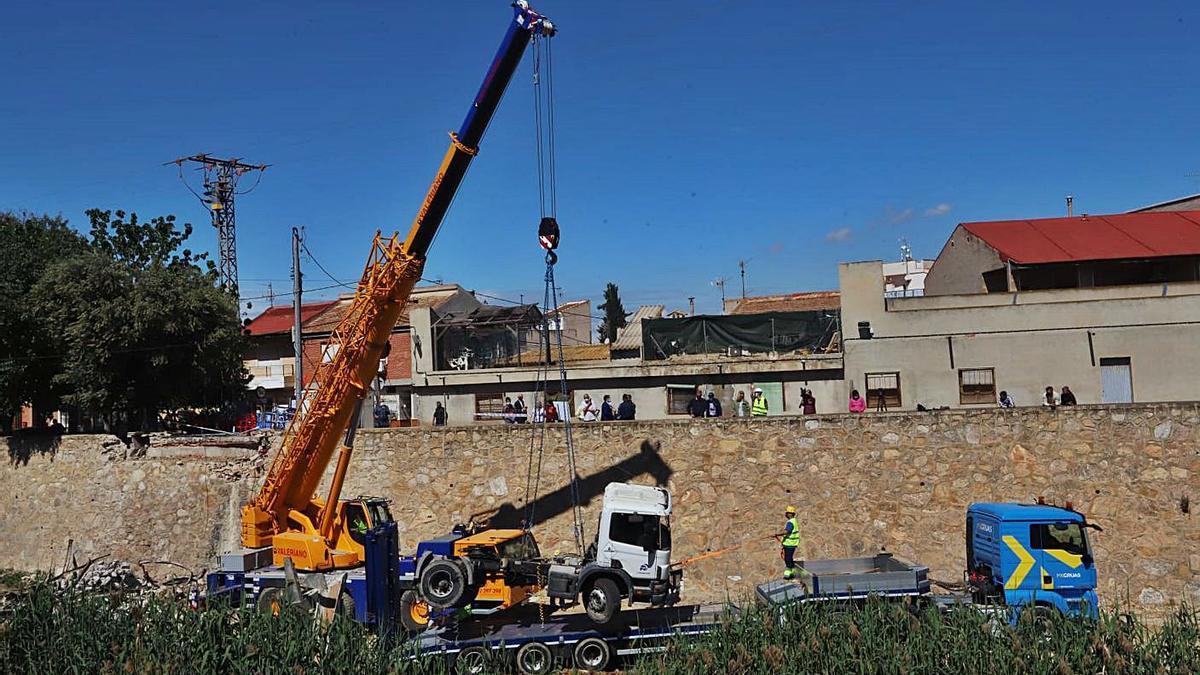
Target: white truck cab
630,558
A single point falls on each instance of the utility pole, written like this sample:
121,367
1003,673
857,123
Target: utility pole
219,188
720,283
297,290
742,269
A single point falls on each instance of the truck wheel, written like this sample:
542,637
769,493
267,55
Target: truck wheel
414,613
443,584
473,661
592,654
534,658
603,600
345,606
270,600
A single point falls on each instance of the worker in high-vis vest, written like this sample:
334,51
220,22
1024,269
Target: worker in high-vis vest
758,405
789,539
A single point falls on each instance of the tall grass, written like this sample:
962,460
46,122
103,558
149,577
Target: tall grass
45,630
883,637
53,631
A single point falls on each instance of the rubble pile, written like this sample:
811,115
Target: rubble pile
109,576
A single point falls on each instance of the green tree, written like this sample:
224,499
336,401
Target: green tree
615,316
28,349
143,324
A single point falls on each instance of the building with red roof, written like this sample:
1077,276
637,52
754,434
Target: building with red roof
1075,252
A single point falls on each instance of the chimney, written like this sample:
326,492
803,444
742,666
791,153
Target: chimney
1070,202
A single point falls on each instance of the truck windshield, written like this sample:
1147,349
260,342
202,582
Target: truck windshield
1067,537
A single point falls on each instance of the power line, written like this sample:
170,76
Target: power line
322,268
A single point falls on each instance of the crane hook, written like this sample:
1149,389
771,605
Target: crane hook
548,236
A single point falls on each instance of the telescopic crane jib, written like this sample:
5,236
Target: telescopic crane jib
320,534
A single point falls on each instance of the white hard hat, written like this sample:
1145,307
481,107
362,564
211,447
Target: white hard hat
757,390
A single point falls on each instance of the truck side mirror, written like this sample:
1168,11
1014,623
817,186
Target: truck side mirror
1087,559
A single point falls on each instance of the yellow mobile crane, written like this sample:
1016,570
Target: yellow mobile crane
320,533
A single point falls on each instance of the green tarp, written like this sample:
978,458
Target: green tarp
740,334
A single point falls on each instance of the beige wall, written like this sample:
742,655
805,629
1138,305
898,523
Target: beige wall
960,265
1031,339
894,481
651,400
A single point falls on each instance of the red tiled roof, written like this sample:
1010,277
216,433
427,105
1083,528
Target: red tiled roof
789,302
279,319
1126,235
566,307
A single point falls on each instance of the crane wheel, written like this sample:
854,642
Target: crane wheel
414,613
443,584
592,654
602,600
534,658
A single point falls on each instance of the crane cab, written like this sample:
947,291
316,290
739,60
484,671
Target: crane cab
310,551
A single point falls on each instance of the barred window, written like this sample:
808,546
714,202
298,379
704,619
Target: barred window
976,386
883,391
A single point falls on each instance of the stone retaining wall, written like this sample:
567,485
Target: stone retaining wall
896,481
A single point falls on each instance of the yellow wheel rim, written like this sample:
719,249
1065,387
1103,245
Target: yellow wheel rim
419,613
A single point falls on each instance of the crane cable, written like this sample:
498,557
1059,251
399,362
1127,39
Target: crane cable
548,236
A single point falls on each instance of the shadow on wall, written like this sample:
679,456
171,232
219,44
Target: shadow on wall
23,446
544,507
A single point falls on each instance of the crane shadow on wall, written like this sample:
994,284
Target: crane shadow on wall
647,462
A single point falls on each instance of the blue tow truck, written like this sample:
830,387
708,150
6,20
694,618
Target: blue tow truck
1020,557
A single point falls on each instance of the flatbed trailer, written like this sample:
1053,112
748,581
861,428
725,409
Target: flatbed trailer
847,579
529,643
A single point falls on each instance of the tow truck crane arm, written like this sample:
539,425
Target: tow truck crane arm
286,514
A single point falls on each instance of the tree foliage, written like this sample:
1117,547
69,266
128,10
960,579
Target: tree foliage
29,244
615,316
136,322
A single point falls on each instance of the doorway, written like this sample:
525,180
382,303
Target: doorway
1116,380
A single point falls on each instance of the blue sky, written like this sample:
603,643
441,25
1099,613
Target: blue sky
690,134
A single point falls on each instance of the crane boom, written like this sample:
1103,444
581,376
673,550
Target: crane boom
286,513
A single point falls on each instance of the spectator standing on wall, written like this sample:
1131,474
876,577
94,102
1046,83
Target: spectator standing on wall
1006,400
758,405
439,415
698,407
606,410
713,408
1068,396
550,412
508,411
383,415
1049,399
519,412
808,402
628,409
858,404
741,407
587,409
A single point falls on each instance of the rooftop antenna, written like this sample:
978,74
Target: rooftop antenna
1070,203
742,269
692,305
905,250
720,283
